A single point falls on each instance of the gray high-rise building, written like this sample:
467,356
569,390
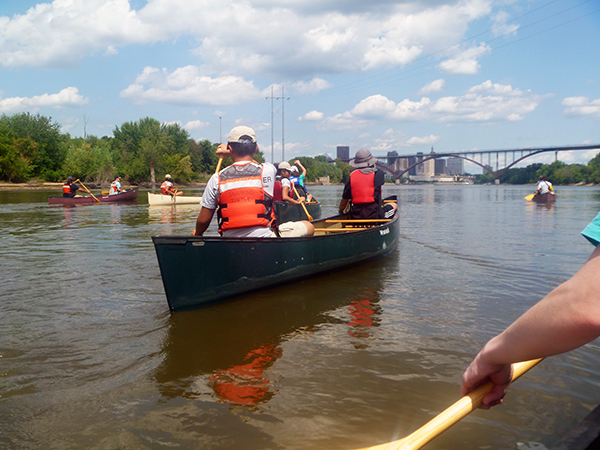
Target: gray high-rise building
455,166
440,166
343,153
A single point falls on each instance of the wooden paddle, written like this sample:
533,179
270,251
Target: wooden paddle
219,164
450,416
302,203
529,197
87,190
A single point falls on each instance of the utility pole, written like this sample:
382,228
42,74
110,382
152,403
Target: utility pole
220,131
85,121
272,97
272,143
282,124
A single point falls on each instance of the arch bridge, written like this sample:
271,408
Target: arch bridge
387,163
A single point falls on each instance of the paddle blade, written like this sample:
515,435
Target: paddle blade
529,197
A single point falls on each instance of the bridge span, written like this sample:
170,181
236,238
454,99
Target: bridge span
399,165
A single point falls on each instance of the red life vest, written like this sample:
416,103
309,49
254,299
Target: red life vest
362,187
243,201
277,191
166,187
66,189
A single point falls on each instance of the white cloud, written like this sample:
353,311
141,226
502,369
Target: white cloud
195,125
502,26
389,141
187,86
434,86
299,41
581,106
66,98
486,102
312,87
312,116
425,140
465,62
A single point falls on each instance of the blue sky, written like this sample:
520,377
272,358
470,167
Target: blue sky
385,75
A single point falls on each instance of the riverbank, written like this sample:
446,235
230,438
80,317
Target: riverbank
47,185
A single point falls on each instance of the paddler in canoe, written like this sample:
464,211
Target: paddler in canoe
115,186
70,188
363,189
299,180
287,191
544,192
243,194
168,188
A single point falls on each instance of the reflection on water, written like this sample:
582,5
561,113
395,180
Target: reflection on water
246,384
230,347
170,215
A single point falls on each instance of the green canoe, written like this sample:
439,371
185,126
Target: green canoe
199,270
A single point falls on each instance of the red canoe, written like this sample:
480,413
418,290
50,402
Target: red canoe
130,194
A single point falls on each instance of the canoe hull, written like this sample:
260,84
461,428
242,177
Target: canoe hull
544,198
166,200
197,271
125,196
290,212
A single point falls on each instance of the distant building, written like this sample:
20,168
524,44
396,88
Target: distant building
343,153
413,160
455,166
440,166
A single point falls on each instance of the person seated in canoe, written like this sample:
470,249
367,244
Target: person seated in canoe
168,188
299,179
70,188
363,189
243,194
544,186
115,186
287,190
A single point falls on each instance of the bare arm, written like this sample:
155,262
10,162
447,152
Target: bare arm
285,196
565,319
299,164
203,221
343,205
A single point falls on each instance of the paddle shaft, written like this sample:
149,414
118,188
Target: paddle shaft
219,164
450,416
88,191
302,203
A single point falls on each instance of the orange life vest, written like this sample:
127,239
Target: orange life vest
67,189
362,187
243,201
166,187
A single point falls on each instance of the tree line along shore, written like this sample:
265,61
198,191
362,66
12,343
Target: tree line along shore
35,154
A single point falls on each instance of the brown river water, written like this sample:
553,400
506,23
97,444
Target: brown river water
91,357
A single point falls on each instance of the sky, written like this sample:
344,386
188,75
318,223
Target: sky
311,75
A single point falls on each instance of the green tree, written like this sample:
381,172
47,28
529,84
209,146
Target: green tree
15,165
203,156
50,149
147,147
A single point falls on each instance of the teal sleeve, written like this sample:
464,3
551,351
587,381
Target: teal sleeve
592,231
